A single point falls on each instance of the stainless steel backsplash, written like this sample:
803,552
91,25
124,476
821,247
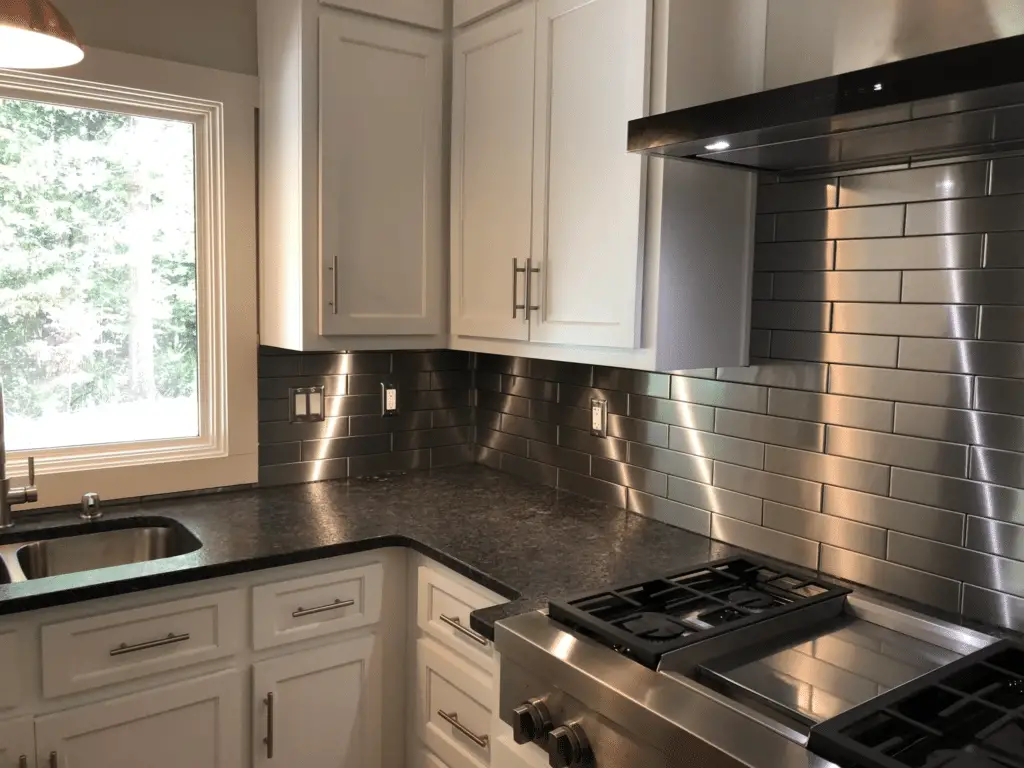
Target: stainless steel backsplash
879,433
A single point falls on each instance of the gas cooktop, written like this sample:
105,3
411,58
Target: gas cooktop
648,620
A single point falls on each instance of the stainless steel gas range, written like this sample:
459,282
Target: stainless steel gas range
741,663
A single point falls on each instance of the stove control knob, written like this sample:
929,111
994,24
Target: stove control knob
568,747
531,721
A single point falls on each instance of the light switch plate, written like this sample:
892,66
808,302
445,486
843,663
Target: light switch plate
599,417
306,404
388,399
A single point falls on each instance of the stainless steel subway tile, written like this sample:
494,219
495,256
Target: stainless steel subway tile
342,447
999,395
286,432
329,364
604,447
1002,323
916,519
563,415
768,486
840,224
488,382
431,438
964,286
981,358
742,397
530,429
835,348
993,608
701,373
563,458
434,360
906,582
1004,250
843,411
500,403
673,413
933,320
487,419
278,366
939,182
810,256
381,464
280,453
956,563
451,379
762,287
451,417
989,430
565,373
670,512
792,315
764,228
648,432
906,386
535,389
995,538
272,410
488,457
356,405
815,526
837,286
636,382
786,374
592,488
376,424
671,462
949,217
434,399
501,364
999,467
907,253
718,500
370,384
271,389
533,471
1007,176
654,483
760,343
897,450
310,472
580,397
501,441
729,449
968,496
797,196
765,541
831,470
451,455
770,429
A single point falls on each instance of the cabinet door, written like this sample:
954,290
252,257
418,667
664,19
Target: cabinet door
325,711
17,743
467,11
589,193
381,153
196,723
492,159
425,13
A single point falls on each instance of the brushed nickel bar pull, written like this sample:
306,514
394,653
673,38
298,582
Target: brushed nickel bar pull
456,624
339,603
333,269
530,272
171,639
269,740
453,720
516,272
53,760
23,761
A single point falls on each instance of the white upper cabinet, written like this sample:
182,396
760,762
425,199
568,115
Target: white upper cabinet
467,11
591,80
492,157
424,13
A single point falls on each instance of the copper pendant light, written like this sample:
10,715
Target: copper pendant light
35,35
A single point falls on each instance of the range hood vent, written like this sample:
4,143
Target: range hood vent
963,101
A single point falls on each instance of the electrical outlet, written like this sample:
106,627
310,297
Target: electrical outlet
388,399
599,417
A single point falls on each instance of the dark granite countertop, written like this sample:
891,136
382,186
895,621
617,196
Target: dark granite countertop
523,541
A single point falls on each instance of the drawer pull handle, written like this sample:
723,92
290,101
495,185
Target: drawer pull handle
23,761
53,760
456,624
269,740
452,718
171,639
339,603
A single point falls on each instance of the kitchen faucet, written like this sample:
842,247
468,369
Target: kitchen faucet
10,496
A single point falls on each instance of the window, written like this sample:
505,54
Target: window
127,276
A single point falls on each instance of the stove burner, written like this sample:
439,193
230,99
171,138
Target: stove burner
753,601
654,626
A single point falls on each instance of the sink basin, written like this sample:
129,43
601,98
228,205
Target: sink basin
77,552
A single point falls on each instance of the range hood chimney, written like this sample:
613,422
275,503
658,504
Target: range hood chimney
967,100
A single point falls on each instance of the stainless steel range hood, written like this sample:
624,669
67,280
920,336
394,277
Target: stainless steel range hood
966,100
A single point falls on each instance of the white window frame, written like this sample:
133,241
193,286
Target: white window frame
221,105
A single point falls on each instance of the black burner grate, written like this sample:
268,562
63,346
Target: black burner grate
968,714
647,620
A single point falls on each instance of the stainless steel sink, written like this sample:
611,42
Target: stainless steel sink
83,548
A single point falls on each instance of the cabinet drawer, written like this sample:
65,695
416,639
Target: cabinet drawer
114,647
508,754
443,607
10,669
453,714
289,611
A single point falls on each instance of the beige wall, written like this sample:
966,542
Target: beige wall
210,33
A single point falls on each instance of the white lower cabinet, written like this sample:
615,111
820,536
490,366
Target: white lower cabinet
318,708
17,743
197,723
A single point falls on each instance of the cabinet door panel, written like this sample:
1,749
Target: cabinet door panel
326,710
466,11
425,13
17,740
492,157
589,193
380,129
197,723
